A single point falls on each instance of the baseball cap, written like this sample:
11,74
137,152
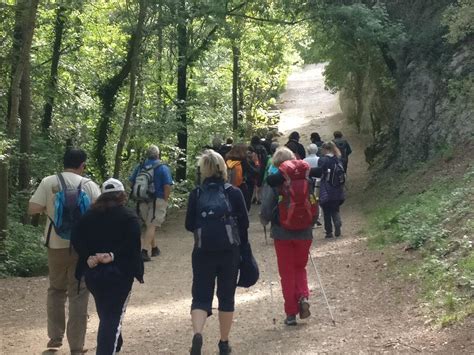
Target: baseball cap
112,185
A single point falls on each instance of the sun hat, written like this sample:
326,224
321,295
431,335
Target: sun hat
112,185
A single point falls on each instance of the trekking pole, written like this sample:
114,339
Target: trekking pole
265,232
272,303
322,289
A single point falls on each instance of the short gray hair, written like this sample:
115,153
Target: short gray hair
281,155
153,152
313,149
211,164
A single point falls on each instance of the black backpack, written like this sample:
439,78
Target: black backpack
216,227
337,177
342,146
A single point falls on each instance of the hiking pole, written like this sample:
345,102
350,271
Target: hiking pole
322,289
273,303
265,232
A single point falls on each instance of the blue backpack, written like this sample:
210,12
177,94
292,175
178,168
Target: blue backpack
69,205
216,227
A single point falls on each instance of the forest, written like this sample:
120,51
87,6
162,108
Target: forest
113,76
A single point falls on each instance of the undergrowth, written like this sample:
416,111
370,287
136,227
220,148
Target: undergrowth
435,219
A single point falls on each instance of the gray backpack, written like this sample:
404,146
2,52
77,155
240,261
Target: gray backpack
143,189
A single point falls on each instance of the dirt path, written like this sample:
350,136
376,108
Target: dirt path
374,313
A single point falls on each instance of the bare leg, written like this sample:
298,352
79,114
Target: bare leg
148,236
225,323
198,318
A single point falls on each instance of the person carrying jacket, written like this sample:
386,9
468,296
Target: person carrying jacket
294,145
291,246
153,212
107,240
210,263
330,197
61,259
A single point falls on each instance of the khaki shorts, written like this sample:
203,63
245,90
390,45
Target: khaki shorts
146,212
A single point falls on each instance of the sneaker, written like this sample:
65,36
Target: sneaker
319,224
224,348
304,308
54,343
196,344
155,251
328,236
290,320
337,233
145,256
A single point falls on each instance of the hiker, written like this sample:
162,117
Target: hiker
261,156
316,139
267,142
107,240
62,259
216,253
312,159
344,147
225,148
151,188
294,145
241,171
291,229
331,193
269,167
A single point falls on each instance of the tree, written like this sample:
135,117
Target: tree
135,52
20,83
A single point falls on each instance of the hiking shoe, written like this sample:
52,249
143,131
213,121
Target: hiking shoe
224,348
196,344
328,236
337,233
304,308
290,320
54,343
318,224
79,352
155,251
145,256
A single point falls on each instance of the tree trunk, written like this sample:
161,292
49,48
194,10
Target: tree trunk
3,207
235,85
160,102
51,86
26,10
24,173
136,45
108,94
182,91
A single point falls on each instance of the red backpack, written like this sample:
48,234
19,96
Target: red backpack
297,204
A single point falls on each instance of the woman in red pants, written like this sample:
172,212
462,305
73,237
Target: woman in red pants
292,242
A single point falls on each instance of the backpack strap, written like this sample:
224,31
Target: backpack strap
48,235
62,182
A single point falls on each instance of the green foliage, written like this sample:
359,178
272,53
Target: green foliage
439,223
26,254
459,19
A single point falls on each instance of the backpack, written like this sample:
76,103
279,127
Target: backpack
235,174
337,175
143,189
297,204
216,228
70,204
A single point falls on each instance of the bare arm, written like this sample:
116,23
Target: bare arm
167,191
34,208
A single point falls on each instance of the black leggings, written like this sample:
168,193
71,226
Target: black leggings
209,265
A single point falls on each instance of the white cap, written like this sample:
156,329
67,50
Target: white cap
112,185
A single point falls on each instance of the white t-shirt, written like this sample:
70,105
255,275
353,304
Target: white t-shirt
45,195
312,160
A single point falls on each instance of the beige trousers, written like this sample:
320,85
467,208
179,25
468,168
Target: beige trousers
62,285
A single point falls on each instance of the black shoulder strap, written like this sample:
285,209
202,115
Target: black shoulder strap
62,182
